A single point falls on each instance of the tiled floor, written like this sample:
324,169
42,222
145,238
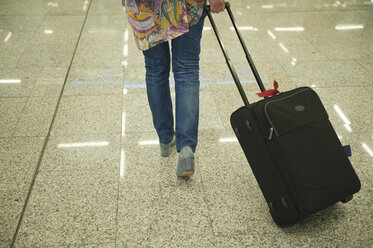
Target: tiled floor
79,160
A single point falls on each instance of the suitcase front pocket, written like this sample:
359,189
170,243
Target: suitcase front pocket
314,156
294,110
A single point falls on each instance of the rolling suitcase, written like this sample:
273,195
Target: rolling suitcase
292,148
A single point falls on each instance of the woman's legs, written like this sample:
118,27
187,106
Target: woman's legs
157,63
185,66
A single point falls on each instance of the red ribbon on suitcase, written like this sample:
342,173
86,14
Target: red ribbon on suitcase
271,92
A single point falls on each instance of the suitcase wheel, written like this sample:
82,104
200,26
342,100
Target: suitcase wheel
284,203
347,199
306,220
271,208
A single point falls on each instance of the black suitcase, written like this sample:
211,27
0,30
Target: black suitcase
292,148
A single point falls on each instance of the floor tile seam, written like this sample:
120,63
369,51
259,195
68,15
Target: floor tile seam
103,29
47,137
105,14
53,42
219,112
22,15
358,61
318,47
234,163
61,14
122,135
171,185
12,97
314,46
275,60
109,14
74,169
138,133
156,187
25,104
74,134
61,245
29,95
67,95
26,96
20,116
220,106
241,234
309,10
29,43
75,70
24,107
305,62
73,243
326,60
212,129
227,182
209,211
359,84
98,31
339,87
228,127
56,15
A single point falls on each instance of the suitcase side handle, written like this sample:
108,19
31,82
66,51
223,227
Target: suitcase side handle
229,63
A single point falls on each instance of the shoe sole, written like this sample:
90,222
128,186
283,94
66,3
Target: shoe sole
186,173
188,167
165,155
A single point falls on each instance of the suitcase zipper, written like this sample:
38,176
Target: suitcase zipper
270,133
273,129
277,157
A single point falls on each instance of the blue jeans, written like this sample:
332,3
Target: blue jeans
185,67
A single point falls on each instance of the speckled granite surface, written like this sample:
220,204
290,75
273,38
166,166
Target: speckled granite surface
74,116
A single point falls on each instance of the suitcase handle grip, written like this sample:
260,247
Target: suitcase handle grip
229,63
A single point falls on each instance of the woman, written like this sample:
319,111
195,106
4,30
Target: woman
154,24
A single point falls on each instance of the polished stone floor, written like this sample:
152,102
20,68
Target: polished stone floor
79,159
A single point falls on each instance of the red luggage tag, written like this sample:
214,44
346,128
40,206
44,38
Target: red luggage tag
272,92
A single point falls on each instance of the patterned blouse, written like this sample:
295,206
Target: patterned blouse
156,21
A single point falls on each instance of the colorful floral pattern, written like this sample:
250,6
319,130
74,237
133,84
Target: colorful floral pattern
157,21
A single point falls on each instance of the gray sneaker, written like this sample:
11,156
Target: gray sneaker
185,165
166,148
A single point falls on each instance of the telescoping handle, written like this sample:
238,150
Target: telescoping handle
229,63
